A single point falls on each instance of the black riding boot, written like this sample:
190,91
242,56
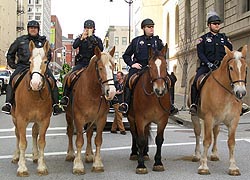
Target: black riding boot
56,109
65,99
193,106
9,100
123,108
173,109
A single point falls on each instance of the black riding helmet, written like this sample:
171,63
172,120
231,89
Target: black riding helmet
214,19
33,23
147,22
89,24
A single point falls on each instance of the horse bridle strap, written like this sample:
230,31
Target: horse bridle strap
233,82
99,77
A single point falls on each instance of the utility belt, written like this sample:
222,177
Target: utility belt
216,62
80,58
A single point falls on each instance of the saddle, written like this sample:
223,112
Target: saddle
135,77
201,80
72,77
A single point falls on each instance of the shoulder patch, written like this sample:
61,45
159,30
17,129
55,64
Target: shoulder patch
199,40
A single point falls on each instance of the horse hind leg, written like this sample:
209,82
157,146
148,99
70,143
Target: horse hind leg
16,154
89,155
214,155
35,132
70,131
197,131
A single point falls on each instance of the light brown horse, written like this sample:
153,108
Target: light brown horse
220,102
150,103
89,105
33,103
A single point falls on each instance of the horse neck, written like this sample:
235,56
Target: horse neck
91,75
222,75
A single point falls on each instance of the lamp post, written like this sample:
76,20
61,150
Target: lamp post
129,20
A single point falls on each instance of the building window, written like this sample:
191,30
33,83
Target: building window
37,18
167,30
177,25
37,1
245,6
116,40
116,55
30,9
30,1
201,16
188,20
124,40
219,8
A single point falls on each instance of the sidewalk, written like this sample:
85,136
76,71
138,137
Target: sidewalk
183,117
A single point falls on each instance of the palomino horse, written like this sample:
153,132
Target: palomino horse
33,103
89,106
150,103
220,102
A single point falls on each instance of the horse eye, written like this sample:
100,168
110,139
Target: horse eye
230,68
45,62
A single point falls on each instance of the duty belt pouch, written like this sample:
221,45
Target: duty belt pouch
78,58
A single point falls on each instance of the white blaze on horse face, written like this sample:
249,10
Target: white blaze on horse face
159,89
110,90
158,65
36,81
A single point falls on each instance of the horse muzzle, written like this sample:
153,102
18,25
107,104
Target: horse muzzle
109,92
160,90
240,91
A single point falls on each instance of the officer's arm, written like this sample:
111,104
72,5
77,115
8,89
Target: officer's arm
160,44
228,43
77,42
11,55
201,50
127,56
49,55
100,45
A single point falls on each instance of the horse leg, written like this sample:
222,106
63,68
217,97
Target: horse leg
145,152
22,170
89,155
141,143
70,131
97,164
203,169
16,155
134,149
78,167
214,155
233,169
197,131
42,168
35,132
158,166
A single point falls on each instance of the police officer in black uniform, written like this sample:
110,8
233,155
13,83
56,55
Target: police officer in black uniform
139,49
86,42
20,48
210,49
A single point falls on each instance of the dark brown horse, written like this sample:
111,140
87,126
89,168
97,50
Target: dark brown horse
89,105
150,103
33,103
221,102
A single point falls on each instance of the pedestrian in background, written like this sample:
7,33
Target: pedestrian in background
117,123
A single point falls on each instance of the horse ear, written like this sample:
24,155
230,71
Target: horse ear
244,51
97,52
46,47
228,51
164,49
112,52
31,46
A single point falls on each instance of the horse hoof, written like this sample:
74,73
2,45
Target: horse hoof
89,158
195,159
158,168
14,161
214,158
146,157
97,169
235,172
203,172
141,171
133,157
69,158
23,174
78,171
43,173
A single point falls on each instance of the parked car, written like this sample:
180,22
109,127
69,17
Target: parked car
5,78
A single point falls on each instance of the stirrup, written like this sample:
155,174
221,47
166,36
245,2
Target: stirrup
123,108
193,109
245,109
6,105
66,98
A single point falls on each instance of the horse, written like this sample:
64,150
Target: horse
228,84
150,103
89,105
33,103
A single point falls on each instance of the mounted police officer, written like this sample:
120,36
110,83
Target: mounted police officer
86,42
210,49
136,57
20,48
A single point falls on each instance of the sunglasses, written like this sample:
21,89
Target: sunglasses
150,26
215,23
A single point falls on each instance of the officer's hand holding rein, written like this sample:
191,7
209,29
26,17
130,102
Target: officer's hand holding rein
211,66
137,66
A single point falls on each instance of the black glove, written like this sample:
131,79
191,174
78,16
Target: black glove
93,40
211,66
